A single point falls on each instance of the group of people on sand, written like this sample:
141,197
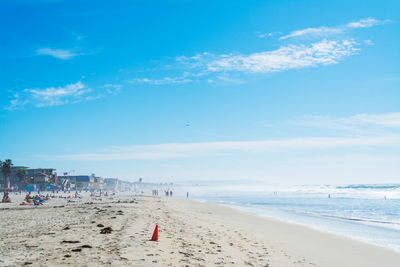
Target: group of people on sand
40,199
168,193
93,194
35,200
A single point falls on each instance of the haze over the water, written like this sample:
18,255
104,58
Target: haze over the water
271,91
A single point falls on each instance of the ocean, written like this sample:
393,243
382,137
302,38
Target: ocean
369,213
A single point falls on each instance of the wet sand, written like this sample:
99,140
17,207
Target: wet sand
115,231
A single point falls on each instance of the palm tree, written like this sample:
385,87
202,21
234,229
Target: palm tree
6,170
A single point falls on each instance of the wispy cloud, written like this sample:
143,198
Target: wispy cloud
358,122
313,31
323,31
63,54
213,68
264,35
113,89
185,150
51,96
229,79
165,80
366,23
54,96
287,57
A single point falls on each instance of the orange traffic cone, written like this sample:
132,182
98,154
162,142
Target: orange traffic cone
155,234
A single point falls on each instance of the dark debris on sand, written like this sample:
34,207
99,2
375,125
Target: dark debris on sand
70,241
106,230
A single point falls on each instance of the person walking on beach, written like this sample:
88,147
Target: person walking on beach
187,194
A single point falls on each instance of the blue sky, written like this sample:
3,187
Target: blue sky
278,91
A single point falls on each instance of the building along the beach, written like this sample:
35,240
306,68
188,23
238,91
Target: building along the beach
98,183
79,181
85,182
40,175
17,176
20,176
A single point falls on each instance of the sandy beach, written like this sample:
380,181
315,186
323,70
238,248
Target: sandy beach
190,234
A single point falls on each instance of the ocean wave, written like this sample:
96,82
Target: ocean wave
357,219
370,186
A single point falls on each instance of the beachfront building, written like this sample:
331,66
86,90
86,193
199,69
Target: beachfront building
83,182
40,175
21,177
17,177
98,183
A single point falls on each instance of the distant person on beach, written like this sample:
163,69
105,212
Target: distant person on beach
187,194
6,198
170,193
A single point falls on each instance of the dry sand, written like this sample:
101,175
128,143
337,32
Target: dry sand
190,234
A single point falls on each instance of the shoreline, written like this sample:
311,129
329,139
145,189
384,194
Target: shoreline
191,233
314,228
304,240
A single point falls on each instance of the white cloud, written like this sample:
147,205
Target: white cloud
215,68
57,96
165,80
387,120
368,42
287,57
211,67
313,31
113,88
185,150
358,122
365,23
228,79
57,53
16,102
263,35
323,31
51,96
